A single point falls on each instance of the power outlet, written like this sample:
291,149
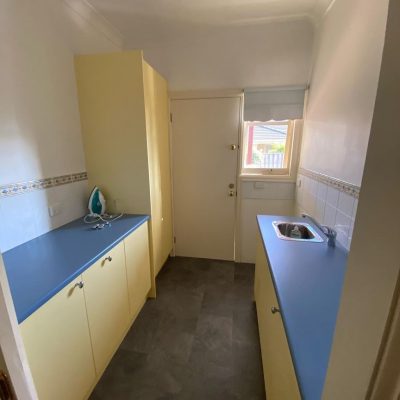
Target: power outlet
55,209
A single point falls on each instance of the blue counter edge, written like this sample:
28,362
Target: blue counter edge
23,316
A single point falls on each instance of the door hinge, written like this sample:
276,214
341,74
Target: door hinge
174,239
170,117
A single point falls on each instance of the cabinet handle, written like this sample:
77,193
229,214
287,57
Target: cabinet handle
275,310
109,258
79,285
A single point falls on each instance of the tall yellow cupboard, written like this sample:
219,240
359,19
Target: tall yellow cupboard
125,125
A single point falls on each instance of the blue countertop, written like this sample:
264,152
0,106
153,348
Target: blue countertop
308,279
40,268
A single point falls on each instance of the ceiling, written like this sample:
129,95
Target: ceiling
151,22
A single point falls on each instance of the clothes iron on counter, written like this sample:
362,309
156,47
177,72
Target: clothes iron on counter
97,202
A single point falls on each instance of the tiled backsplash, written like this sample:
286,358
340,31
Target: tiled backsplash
330,201
24,207
14,189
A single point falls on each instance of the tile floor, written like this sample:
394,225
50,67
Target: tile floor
197,341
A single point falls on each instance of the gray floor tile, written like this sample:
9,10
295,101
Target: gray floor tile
197,341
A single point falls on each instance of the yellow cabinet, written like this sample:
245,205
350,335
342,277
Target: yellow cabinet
158,145
137,268
124,114
279,375
107,304
58,346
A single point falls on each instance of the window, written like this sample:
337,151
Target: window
267,148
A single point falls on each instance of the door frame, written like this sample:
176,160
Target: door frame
214,94
382,378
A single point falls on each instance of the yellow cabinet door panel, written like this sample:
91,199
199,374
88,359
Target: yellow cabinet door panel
106,295
158,148
57,343
279,375
137,267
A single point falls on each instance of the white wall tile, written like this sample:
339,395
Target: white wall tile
300,189
332,196
320,210
313,185
26,216
342,226
322,190
328,206
268,190
355,205
346,204
306,182
329,215
351,232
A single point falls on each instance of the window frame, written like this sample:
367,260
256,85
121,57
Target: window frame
269,172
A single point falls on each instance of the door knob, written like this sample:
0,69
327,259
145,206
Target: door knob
275,310
233,146
231,186
231,193
109,258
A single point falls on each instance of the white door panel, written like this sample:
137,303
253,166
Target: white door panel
204,165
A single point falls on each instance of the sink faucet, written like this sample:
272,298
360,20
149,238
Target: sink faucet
329,232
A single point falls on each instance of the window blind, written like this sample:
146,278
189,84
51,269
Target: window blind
278,104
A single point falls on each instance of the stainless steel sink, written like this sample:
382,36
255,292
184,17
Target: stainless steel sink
304,232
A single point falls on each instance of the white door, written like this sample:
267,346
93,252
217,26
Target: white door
204,175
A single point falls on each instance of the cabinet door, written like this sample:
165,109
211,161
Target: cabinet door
279,375
158,147
57,344
137,267
106,294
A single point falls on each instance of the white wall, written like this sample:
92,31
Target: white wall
259,197
269,54
347,59
343,88
40,134
372,276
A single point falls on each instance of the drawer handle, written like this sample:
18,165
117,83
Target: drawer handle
109,258
275,310
78,285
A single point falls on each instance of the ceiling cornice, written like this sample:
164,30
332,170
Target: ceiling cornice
322,7
96,20
265,20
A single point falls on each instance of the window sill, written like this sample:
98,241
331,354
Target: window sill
267,178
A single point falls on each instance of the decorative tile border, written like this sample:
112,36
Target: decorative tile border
14,189
343,186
